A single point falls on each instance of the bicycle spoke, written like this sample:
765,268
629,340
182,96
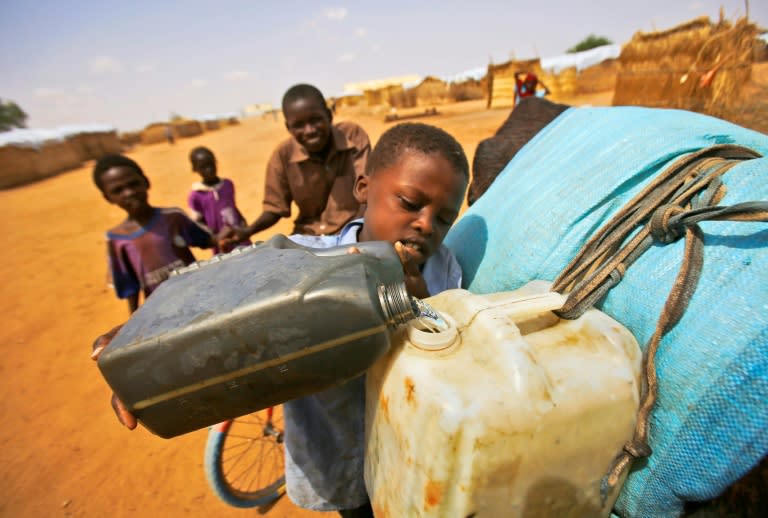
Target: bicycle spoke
252,462
249,459
266,473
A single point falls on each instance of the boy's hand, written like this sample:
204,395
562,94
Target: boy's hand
414,281
123,415
224,239
231,236
102,342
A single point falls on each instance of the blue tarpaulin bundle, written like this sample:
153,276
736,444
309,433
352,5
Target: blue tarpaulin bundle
708,427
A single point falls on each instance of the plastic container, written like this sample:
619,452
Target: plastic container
506,411
254,328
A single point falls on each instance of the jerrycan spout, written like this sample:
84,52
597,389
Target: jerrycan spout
398,306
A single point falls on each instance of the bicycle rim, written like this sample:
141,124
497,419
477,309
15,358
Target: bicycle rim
244,466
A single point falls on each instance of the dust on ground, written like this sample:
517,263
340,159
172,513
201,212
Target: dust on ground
64,454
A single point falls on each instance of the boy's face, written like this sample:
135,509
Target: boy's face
309,122
205,165
415,201
125,188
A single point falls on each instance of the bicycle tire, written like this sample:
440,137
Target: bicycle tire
239,483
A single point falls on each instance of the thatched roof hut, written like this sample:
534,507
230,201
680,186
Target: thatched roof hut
431,91
92,145
468,89
348,100
20,165
211,125
130,138
181,128
590,71
598,78
698,65
383,95
30,155
184,128
156,132
428,92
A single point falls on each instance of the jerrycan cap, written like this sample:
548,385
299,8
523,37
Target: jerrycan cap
431,331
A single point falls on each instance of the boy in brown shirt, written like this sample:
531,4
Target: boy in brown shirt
315,168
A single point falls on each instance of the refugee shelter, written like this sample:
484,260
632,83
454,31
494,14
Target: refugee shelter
180,128
156,132
94,141
699,66
28,155
590,71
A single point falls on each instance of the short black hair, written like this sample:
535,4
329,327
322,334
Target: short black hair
201,150
303,91
107,162
419,137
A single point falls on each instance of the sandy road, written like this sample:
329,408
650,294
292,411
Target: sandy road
63,454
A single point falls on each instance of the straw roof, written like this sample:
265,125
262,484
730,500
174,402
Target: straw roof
698,65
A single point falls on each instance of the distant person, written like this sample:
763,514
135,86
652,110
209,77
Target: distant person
212,200
526,84
412,192
169,134
151,242
315,168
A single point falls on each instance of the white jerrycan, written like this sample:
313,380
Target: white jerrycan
505,411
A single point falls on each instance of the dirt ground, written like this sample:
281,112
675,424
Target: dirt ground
63,452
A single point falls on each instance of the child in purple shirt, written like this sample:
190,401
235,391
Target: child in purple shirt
212,201
150,242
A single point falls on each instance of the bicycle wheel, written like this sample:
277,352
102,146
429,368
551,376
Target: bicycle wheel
244,461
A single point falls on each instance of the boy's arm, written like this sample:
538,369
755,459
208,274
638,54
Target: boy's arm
277,198
133,302
195,234
123,278
263,222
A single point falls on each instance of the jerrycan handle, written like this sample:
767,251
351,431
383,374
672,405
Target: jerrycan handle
528,306
377,249
392,293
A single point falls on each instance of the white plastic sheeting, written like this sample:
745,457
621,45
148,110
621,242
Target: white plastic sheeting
475,74
218,116
580,60
34,138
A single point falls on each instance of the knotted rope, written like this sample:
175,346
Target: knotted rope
670,207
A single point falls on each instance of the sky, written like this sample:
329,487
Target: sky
130,63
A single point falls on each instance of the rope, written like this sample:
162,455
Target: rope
668,209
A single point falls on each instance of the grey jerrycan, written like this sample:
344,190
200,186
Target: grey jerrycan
253,328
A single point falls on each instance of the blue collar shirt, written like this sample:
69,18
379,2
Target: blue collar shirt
325,432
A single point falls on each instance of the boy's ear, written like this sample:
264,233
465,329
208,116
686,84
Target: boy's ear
360,190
